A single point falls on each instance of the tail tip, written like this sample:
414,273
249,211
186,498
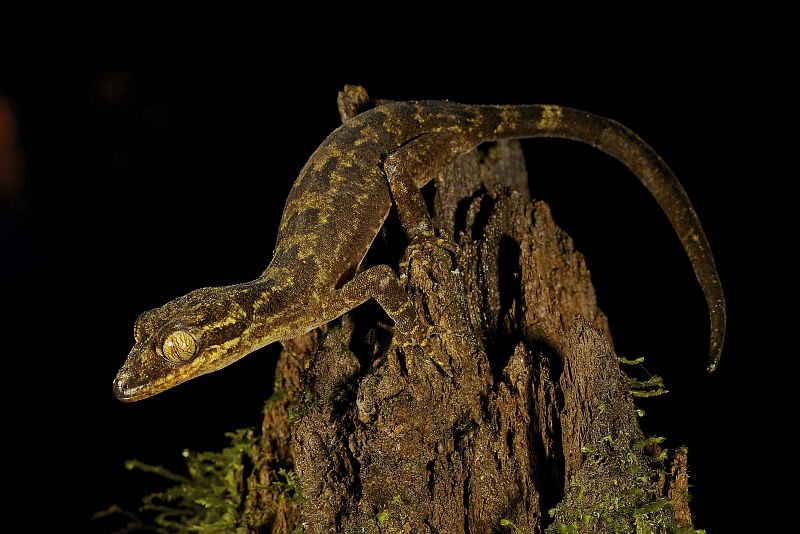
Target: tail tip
717,337
713,358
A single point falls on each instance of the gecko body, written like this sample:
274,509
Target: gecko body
335,210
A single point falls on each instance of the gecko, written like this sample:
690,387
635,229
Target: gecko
378,157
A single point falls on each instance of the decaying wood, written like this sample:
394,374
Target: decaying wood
517,418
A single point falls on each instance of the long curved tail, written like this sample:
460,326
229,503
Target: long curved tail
622,144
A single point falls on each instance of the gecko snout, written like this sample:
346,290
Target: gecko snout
121,389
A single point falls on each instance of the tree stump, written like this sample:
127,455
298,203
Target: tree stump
517,418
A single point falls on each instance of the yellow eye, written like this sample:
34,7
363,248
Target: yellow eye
179,346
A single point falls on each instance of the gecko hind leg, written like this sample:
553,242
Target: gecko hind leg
353,99
409,168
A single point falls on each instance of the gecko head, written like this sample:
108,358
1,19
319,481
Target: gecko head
187,337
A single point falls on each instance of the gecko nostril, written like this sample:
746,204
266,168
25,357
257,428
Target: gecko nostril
119,383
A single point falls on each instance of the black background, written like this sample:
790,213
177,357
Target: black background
142,183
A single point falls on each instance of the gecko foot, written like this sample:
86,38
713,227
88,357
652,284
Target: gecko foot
351,101
420,344
423,245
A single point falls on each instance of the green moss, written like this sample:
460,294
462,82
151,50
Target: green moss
652,382
373,381
393,511
650,507
651,393
648,442
274,399
619,486
289,487
299,410
345,352
511,526
650,387
626,361
213,497
386,409
209,499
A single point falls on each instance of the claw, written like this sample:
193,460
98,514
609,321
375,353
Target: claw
419,243
413,342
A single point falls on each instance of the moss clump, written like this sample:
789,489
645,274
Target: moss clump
210,499
298,410
289,487
634,505
621,484
651,387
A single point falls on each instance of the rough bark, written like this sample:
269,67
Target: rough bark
516,419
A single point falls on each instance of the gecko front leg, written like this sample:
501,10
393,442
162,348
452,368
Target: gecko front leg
382,284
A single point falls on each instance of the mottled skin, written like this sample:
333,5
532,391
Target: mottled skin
336,208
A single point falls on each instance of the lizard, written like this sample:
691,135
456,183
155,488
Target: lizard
377,158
